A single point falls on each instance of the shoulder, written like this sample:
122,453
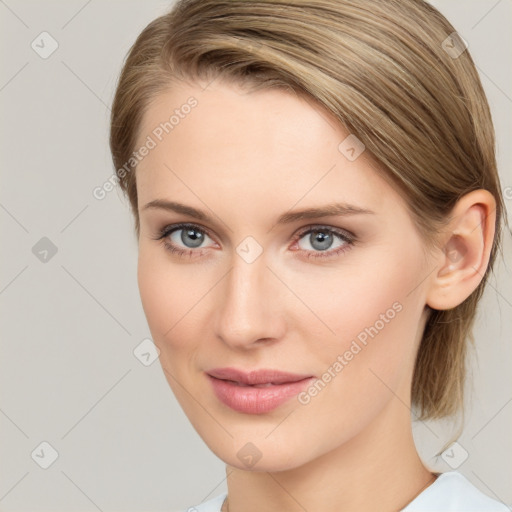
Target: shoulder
213,505
452,492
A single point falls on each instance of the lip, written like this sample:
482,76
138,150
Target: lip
258,391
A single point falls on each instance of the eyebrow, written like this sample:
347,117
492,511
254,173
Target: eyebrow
335,209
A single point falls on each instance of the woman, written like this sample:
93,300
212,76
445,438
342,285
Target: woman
317,206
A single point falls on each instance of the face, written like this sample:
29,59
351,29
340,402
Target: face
232,275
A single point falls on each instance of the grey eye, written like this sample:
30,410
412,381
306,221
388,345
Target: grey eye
190,237
321,240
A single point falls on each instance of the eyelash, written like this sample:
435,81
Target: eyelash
348,239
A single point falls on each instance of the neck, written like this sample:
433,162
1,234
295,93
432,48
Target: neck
378,470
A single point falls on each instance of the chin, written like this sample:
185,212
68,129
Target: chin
260,454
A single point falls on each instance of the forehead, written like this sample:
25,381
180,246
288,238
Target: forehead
228,109
271,146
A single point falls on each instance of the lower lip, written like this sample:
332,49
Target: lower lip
253,400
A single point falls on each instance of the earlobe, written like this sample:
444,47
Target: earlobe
464,255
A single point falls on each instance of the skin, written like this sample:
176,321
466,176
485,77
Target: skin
245,158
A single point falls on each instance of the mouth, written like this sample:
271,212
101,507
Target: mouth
265,376
256,392
266,385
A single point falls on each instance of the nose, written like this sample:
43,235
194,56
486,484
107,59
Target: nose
249,312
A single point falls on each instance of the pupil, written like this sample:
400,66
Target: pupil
195,237
320,240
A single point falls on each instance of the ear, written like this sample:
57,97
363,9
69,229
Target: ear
466,245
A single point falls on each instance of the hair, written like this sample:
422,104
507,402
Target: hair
383,69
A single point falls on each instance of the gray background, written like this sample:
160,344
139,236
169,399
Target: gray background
70,324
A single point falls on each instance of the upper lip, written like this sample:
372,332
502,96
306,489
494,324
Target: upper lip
262,376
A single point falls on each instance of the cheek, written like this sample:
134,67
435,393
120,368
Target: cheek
356,297
154,293
372,315
168,301
164,293
369,361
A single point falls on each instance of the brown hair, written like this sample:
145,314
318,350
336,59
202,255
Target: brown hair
392,72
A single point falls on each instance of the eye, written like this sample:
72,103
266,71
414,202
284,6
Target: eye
324,241
319,241
183,239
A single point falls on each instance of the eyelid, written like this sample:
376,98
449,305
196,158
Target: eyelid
171,228
344,234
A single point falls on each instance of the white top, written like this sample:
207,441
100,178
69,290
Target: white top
451,492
